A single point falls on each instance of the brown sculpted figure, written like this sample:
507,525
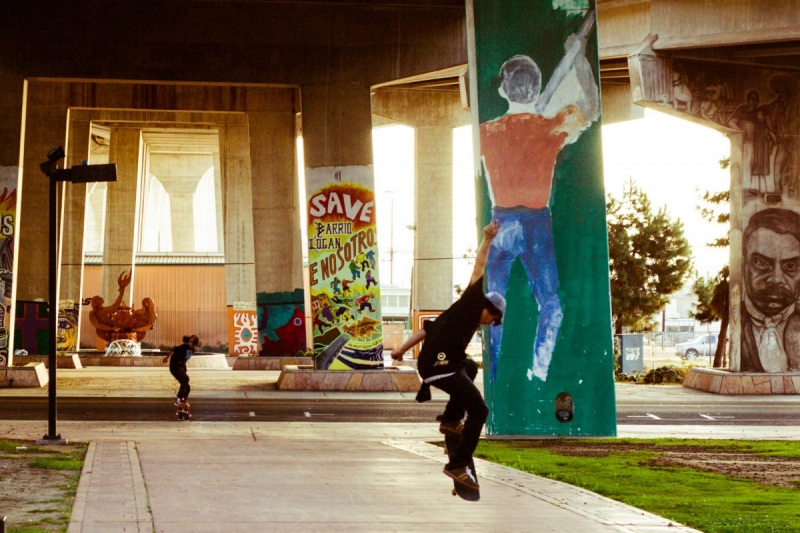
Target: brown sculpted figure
771,321
118,321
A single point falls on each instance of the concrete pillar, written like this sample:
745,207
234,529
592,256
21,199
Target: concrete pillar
234,148
434,114
122,211
77,149
433,206
276,216
549,366
180,174
343,250
758,108
71,239
12,87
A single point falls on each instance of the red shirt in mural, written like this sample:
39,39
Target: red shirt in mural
519,153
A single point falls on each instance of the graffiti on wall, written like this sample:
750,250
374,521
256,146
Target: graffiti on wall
343,268
243,328
67,335
8,215
31,328
541,175
281,323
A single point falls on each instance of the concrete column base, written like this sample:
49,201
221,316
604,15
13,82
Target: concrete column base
391,379
719,381
62,361
269,363
30,375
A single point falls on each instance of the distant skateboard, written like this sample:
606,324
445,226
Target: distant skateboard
183,412
459,489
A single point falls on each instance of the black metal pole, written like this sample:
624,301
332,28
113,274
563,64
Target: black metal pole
53,310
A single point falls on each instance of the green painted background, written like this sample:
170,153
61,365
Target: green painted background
582,363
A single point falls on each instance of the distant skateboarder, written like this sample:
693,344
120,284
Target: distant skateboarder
177,367
442,362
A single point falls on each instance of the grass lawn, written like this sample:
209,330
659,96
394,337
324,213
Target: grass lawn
648,474
38,485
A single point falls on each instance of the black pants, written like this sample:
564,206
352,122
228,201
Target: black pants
180,374
464,397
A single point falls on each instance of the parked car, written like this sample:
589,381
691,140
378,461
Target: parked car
705,344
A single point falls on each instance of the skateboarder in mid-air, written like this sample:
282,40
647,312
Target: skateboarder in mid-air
442,362
177,367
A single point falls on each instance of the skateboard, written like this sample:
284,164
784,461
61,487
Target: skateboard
183,412
460,490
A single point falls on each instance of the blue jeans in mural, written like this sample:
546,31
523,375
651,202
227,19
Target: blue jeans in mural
527,234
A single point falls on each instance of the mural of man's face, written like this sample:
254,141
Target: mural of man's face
772,271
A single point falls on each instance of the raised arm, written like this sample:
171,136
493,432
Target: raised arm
489,233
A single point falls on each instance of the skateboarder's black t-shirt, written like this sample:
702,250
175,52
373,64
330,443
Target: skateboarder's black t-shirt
180,354
447,337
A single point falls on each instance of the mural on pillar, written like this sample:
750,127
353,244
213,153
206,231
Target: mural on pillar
281,323
67,335
765,106
8,217
343,268
243,328
538,113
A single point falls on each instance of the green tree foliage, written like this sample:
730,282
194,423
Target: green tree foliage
649,258
712,295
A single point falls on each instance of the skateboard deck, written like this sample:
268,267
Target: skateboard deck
459,489
183,412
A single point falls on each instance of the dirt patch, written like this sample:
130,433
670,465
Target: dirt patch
34,496
777,471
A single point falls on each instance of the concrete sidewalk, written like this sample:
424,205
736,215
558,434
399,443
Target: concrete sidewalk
306,477
309,477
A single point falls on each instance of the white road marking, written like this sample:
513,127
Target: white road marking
708,417
648,415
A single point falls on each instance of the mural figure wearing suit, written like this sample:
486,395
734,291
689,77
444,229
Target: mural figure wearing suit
770,318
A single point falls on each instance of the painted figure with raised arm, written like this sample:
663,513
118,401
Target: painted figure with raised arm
519,151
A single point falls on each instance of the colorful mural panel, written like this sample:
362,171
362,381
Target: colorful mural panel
8,218
68,326
243,329
343,268
538,115
281,323
31,328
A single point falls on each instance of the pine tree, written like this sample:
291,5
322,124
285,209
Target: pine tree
649,259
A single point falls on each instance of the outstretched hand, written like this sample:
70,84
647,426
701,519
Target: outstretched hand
490,230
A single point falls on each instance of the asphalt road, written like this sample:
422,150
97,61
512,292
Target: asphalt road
742,411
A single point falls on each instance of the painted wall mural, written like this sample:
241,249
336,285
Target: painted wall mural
31,328
764,105
8,222
68,326
541,172
243,328
343,268
281,323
